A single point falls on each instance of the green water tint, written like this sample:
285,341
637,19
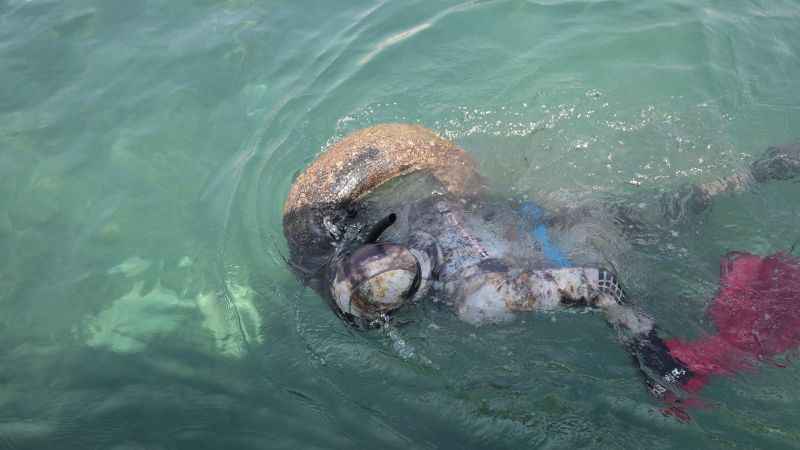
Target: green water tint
146,149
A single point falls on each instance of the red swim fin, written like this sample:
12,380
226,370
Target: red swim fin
756,313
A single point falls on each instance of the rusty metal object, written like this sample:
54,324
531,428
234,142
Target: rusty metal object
320,201
370,157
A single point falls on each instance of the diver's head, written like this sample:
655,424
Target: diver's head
376,279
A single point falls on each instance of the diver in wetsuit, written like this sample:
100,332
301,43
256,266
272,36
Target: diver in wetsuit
394,214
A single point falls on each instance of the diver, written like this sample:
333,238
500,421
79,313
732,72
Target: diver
394,214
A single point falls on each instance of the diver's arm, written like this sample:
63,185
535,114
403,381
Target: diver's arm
599,288
638,333
573,286
492,292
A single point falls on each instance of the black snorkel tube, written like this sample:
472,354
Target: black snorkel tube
377,230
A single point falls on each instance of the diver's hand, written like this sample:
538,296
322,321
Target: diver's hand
662,372
660,369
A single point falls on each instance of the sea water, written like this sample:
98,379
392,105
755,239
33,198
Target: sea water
146,148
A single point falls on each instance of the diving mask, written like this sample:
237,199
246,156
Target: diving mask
376,279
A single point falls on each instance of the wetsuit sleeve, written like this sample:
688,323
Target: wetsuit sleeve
491,291
573,286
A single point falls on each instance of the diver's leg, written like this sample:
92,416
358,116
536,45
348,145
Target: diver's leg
780,162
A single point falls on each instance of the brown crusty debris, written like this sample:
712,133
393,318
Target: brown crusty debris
370,157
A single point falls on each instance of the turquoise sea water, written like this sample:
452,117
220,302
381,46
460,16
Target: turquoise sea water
146,148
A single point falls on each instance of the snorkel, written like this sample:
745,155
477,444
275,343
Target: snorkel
325,231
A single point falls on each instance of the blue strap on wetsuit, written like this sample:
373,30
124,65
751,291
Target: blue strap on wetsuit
534,214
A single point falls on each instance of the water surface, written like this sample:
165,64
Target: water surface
146,148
